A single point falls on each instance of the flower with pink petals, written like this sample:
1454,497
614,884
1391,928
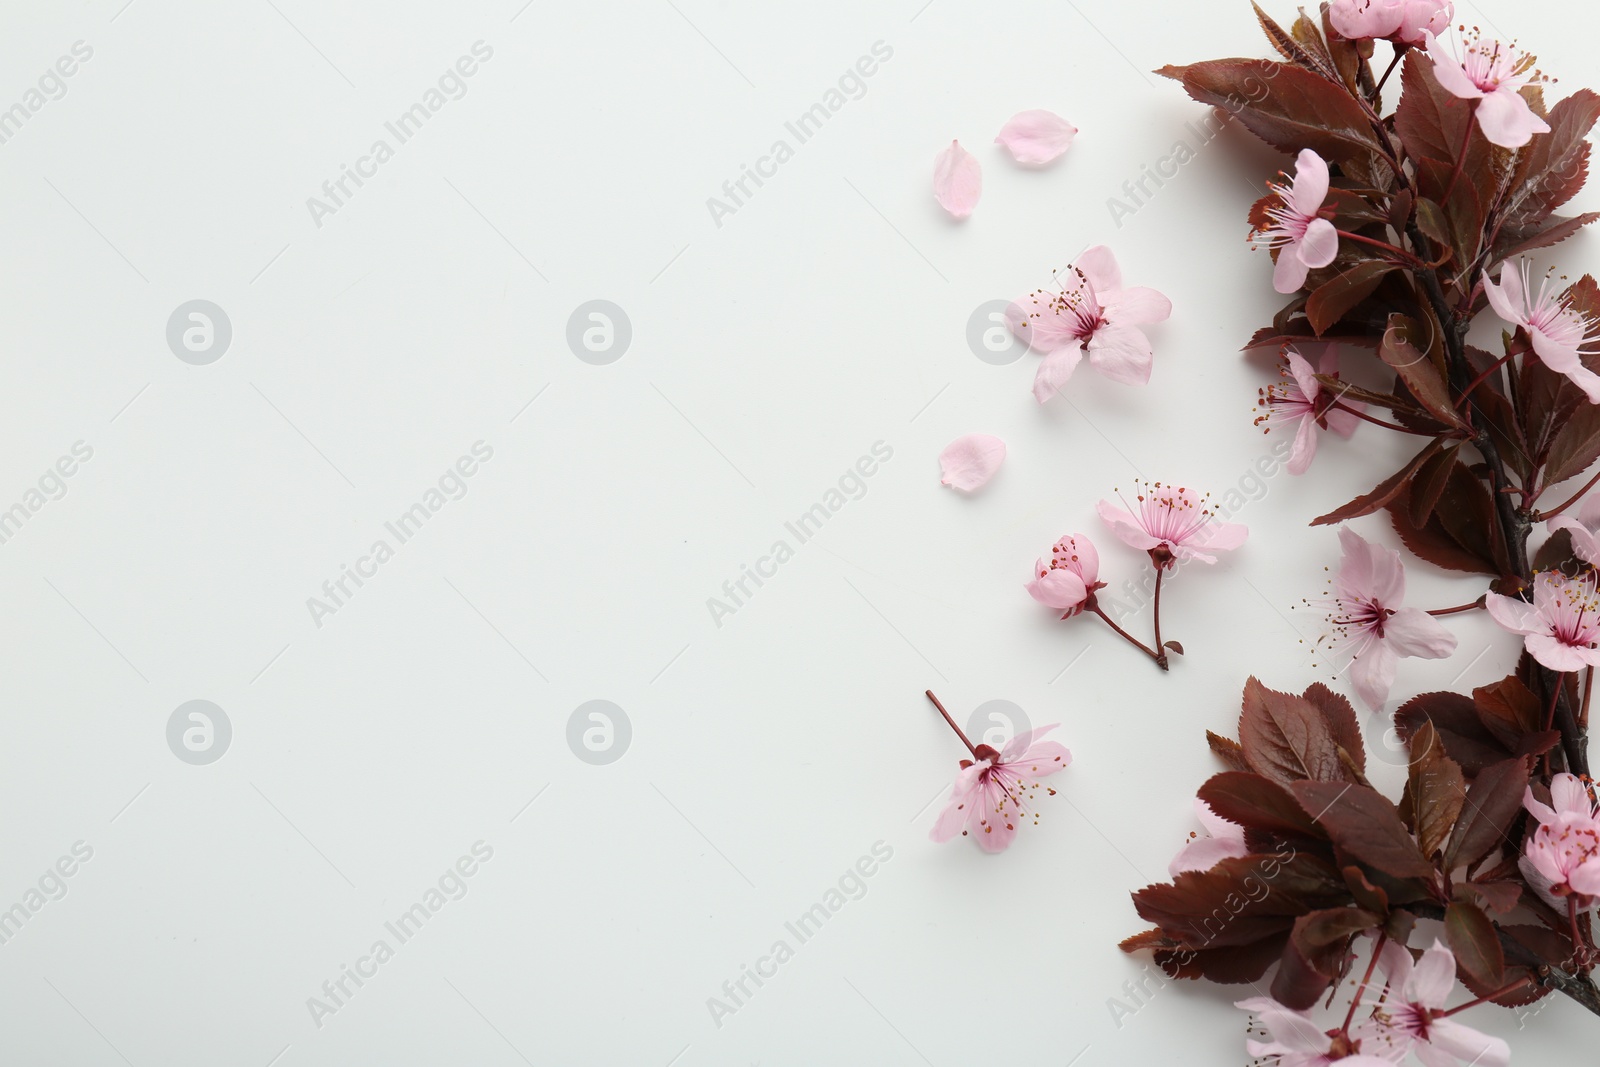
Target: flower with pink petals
1069,578
1224,840
1411,1016
1557,330
1561,626
1368,622
1296,1041
1562,858
1401,21
1093,313
1304,240
1299,397
1493,74
994,792
1173,524
1583,528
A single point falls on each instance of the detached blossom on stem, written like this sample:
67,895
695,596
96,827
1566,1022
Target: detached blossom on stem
1412,1018
1561,626
994,790
1092,314
1068,580
1493,74
1400,21
1557,329
1173,524
1304,240
1562,858
1301,398
1368,623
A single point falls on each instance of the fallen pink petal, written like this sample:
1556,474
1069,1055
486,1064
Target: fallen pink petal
968,462
1036,137
957,180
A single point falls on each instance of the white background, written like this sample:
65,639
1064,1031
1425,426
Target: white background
768,354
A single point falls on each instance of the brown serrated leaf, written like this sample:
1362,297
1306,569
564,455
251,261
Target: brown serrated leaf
1475,943
1285,738
1340,716
1364,824
1256,803
1429,484
1384,493
1406,347
1437,790
1493,804
1228,751
1330,300
1455,717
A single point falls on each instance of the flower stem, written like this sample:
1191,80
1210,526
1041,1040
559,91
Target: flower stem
1580,947
1502,991
970,746
1588,485
1361,991
1458,608
1480,379
1588,691
1400,51
1404,257
1342,406
1126,636
1161,650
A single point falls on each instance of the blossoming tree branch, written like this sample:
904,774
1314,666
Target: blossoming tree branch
1392,231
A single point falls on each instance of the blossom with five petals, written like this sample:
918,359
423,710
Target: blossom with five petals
1561,626
1412,1018
993,792
1368,622
1173,524
1556,328
1303,238
1493,74
1069,578
1093,313
1562,857
1299,397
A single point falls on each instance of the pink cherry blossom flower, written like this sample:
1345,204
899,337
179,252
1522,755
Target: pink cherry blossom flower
1557,329
1303,238
1036,137
1093,313
957,180
1069,578
1584,529
1296,1041
1173,524
1369,623
1411,1018
1561,626
1301,398
992,794
1224,840
1401,21
968,462
1562,858
1492,74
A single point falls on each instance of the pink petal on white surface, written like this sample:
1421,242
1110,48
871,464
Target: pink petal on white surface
957,180
968,462
1036,136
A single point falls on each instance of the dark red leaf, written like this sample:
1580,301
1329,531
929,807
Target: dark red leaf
1384,493
1494,801
1341,719
1285,106
1330,300
1554,166
1315,954
1436,789
1228,751
1473,939
1429,485
1255,802
1406,347
1364,824
1285,738
1465,738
